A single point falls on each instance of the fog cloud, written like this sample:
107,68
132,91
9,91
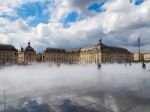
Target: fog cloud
21,79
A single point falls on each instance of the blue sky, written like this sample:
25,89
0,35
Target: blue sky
36,12
137,2
97,7
71,17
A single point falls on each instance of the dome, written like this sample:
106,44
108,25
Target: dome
29,48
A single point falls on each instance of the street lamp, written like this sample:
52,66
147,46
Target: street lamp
100,43
139,49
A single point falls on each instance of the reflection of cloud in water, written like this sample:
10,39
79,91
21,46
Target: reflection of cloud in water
43,76
68,106
111,103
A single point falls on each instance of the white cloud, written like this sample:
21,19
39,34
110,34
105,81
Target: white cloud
6,10
59,9
3,21
118,26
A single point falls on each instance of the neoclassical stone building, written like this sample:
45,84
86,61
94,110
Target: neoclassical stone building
90,55
27,55
99,53
114,54
54,55
8,54
72,56
138,57
146,57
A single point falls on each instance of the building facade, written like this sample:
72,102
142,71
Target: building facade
99,53
114,54
72,56
138,57
146,57
39,57
8,54
27,55
90,55
54,55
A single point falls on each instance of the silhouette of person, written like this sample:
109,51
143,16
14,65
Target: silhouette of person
143,66
58,64
99,66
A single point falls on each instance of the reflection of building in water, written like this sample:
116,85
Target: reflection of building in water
8,54
99,53
27,55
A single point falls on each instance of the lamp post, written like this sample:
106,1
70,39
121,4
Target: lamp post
139,49
100,41
99,63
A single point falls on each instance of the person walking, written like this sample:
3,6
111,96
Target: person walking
144,65
99,66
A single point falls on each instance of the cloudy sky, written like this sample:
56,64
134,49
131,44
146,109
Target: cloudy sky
75,23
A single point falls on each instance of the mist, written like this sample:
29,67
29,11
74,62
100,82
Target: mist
112,77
